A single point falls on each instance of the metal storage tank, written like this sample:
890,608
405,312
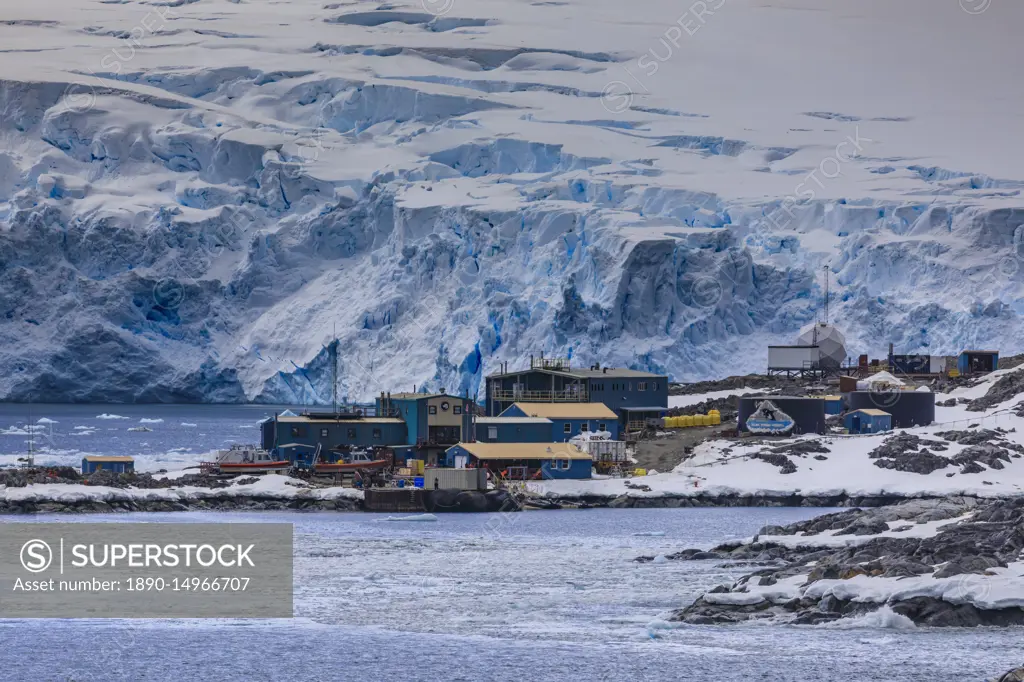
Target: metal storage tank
808,414
908,408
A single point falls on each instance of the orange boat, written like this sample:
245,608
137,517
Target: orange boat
357,460
246,459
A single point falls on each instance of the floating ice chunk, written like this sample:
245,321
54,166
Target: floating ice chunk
417,518
144,420
46,420
884,617
657,628
189,424
110,416
650,534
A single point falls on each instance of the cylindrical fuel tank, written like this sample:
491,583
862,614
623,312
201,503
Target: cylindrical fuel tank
908,408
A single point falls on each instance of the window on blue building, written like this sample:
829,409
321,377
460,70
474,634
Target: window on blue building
560,464
641,385
323,433
584,427
567,428
602,427
352,434
492,433
376,434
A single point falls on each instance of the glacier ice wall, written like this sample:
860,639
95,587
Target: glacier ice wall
218,217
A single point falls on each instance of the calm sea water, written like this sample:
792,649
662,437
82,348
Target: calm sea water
180,435
530,596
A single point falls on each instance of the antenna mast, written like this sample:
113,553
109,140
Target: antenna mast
826,293
334,370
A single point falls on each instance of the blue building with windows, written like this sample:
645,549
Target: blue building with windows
115,464
432,419
569,419
514,430
413,425
632,395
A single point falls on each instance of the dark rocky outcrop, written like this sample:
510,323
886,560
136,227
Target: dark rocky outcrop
1005,388
784,463
1015,675
991,537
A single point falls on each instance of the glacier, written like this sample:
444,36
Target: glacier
216,201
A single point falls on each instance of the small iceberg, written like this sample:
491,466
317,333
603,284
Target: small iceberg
85,428
189,425
144,420
140,429
417,517
47,420
650,534
110,416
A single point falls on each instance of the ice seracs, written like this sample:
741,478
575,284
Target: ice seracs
186,214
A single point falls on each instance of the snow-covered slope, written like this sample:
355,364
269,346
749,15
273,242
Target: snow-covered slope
195,194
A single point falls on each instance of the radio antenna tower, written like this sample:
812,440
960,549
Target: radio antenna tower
826,268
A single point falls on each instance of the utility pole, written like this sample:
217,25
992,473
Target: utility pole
334,370
826,268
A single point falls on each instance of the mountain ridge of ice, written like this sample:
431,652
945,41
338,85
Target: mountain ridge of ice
452,185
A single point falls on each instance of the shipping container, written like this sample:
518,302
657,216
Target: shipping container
455,479
793,357
908,408
910,364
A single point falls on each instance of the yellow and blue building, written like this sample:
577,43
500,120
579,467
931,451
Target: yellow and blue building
867,421
633,395
523,461
569,419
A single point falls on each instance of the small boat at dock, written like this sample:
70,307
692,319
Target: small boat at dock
245,459
352,461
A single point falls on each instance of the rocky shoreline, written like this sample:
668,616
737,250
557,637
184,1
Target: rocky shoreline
745,500
952,562
55,490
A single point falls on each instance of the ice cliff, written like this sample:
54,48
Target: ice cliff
197,198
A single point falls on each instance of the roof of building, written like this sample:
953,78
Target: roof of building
873,412
651,408
992,352
301,419
566,410
512,420
580,373
108,458
489,451
421,396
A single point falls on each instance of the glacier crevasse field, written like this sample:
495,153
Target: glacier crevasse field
198,196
